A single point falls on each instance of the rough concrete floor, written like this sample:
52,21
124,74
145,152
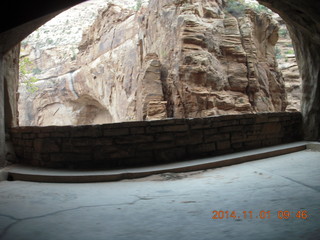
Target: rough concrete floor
171,206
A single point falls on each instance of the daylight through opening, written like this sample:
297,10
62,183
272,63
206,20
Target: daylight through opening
102,62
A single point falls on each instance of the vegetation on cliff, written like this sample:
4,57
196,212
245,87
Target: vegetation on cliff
237,7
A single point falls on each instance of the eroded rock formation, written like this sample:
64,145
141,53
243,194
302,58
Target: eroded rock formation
180,59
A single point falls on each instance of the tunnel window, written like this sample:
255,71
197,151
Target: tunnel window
105,62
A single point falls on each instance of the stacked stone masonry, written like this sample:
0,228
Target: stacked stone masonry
151,142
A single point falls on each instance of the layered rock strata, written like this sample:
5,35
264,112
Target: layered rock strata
180,59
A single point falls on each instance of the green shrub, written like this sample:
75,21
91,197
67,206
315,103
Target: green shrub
283,32
36,71
278,53
138,5
290,51
31,88
236,8
260,8
24,70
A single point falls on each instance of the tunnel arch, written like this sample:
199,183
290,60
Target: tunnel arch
302,18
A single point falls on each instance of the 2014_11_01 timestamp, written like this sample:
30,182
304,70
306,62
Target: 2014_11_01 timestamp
286,214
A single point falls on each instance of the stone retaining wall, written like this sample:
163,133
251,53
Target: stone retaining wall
152,142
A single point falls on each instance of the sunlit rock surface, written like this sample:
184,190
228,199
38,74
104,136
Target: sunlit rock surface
169,59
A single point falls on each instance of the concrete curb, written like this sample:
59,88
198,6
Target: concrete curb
25,173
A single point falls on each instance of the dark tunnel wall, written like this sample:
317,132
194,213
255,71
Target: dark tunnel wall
303,21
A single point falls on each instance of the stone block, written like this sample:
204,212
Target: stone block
253,138
170,155
107,149
271,142
262,118
67,147
163,137
275,119
184,139
247,121
81,142
27,143
46,145
15,130
154,129
82,149
229,129
273,127
225,123
156,146
28,154
59,134
144,154
237,137
211,131
200,123
44,135
217,137
18,151
223,145
202,148
122,153
252,144
25,129
253,128
45,157
132,124
106,141
116,132
70,157
16,134
176,128
28,136
237,146
132,139
86,131
28,149
137,130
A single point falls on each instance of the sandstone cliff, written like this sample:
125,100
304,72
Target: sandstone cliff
180,59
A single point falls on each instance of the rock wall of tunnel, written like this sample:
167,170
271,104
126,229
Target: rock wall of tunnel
302,19
24,20
9,71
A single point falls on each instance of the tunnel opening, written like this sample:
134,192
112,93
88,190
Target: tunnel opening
51,83
199,134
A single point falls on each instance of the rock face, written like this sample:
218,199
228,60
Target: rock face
180,59
288,66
